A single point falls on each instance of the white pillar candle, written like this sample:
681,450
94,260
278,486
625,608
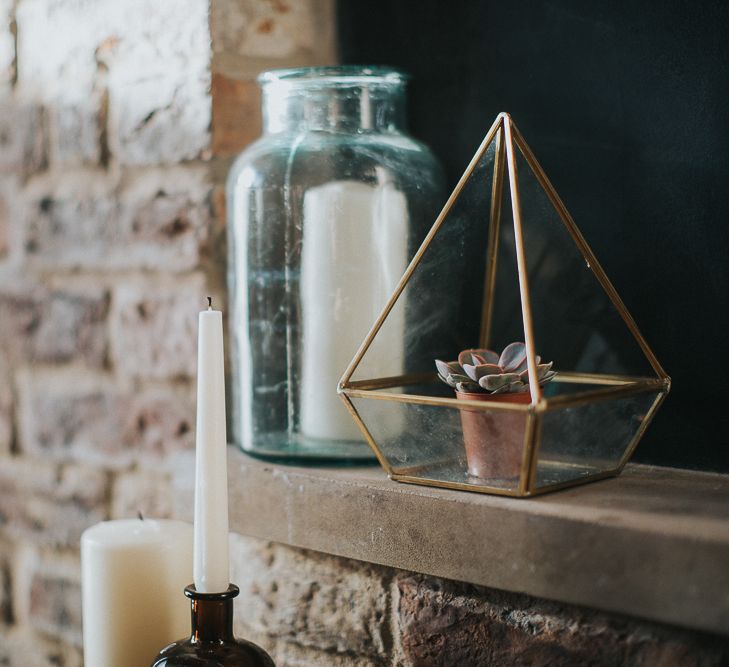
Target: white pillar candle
354,253
133,576
210,563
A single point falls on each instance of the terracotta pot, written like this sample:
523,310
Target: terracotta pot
494,440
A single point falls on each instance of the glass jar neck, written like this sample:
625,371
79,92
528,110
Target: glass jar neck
335,107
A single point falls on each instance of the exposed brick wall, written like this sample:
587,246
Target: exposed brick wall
311,609
118,121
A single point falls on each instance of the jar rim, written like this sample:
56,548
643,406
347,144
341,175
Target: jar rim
341,75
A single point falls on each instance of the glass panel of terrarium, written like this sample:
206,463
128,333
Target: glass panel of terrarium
447,443
438,312
503,322
587,439
576,325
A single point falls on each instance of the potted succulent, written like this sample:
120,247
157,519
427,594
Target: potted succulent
494,441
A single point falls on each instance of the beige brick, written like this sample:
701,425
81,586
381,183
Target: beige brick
317,601
291,654
76,131
140,491
53,326
22,647
154,219
12,232
7,405
55,597
153,57
6,596
159,103
4,225
22,137
47,504
154,328
249,35
67,417
7,45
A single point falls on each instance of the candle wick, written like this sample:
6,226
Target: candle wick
210,303
139,514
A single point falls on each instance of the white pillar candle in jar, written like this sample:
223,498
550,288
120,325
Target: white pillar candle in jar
354,253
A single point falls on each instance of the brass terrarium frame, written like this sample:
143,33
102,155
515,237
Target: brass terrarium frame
504,139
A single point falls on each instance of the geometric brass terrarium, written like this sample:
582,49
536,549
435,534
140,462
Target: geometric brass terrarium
503,262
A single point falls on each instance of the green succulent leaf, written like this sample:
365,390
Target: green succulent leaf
468,387
547,378
524,364
542,370
485,356
494,382
512,357
477,372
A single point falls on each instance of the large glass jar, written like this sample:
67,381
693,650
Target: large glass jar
325,211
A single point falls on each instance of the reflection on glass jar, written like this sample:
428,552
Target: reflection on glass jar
325,211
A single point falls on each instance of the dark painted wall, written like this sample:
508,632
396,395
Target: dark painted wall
626,105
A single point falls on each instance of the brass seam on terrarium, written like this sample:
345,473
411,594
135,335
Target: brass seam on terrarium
594,395
529,430
594,378
478,406
419,254
393,381
562,376
534,453
576,481
587,253
461,486
412,470
526,311
457,486
493,242
642,429
365,431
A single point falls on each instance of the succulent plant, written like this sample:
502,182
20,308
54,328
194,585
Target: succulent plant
485,371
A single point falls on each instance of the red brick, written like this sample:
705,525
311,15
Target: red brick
154,328
68,419
236,114
53,326
154,220
450,623
252,35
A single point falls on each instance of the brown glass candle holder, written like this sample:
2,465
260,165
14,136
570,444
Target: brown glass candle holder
211,640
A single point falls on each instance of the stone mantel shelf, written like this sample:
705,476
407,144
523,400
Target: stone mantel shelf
652,543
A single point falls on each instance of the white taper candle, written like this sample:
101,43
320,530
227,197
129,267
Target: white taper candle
210,556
